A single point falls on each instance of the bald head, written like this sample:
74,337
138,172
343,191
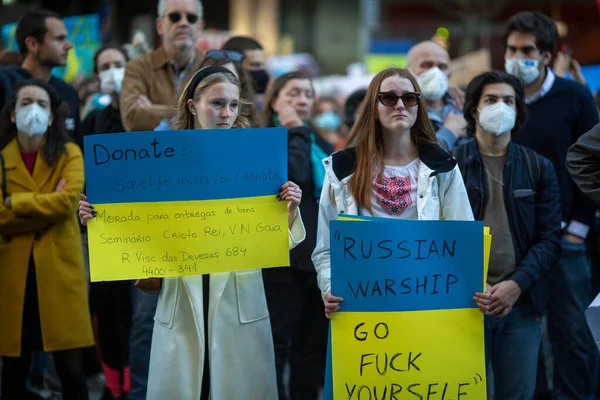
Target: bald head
427,55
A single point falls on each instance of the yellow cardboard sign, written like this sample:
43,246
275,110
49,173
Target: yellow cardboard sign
402,355
487,248
162,239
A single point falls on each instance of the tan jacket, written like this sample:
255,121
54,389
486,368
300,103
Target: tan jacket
151,75
61,278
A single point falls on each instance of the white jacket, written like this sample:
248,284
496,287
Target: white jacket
440,196
242,359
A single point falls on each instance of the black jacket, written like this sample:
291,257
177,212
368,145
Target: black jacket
105,120
12,74
300,172
583,163
532,201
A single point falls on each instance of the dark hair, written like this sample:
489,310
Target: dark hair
327,100
86,88
11,58
537,24
352,103
246,86
475,89
273,93
56,135
241,44
108,47
33,24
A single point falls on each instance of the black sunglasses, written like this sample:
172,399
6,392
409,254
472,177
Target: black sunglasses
175,17
390,99
228,54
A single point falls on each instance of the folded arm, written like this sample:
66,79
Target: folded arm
56,206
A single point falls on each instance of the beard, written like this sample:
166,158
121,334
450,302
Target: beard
51,62
184,43
184,46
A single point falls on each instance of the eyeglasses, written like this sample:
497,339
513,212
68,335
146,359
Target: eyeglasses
176,16
228,54
390,99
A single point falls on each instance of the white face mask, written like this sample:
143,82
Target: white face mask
32,120
497,119
111,79
527,70
433,83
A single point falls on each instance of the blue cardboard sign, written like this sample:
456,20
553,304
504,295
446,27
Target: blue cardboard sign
399,265
185,165
360,256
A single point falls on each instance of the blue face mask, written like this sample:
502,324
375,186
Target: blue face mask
328,120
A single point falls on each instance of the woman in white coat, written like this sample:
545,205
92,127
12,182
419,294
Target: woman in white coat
212,336
392,168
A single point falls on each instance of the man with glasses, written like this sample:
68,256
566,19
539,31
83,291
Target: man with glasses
559,112
154,80
149,94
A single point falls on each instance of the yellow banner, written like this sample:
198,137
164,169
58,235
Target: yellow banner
409,355
144,240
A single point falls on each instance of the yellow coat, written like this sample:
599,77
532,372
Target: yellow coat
61,278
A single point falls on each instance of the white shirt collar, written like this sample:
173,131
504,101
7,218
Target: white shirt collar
546,86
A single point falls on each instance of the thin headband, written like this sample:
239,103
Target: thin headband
203,73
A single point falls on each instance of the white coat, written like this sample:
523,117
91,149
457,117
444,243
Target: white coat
242,360
440,196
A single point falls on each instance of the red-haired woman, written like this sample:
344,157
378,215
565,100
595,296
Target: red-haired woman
392,167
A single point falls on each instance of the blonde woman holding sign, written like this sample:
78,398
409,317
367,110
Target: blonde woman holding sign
391,168
212,334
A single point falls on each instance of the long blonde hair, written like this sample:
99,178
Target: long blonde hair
184,119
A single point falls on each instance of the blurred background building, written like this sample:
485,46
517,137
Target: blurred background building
332,37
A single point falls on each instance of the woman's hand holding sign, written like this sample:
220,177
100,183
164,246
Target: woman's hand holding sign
86,210
291,193
332,304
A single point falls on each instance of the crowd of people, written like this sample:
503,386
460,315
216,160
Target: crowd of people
517,149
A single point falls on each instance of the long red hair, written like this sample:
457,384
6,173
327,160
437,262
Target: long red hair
366,137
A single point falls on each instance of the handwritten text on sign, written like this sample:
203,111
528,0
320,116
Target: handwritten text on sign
186,202
141,240
435,355
185,165
406,265
408,327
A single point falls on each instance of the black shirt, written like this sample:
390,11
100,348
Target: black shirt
554,122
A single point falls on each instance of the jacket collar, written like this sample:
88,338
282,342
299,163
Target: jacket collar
448,107
473,153
160,59
22,177
432,155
